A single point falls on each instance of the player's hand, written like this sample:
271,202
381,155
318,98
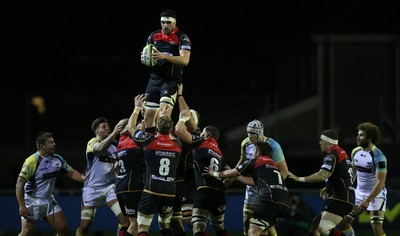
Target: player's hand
206,172
24,212
324,193
292,176
184,115
226,167
157,55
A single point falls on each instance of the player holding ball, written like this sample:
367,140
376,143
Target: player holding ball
171,52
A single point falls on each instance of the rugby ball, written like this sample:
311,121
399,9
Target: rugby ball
147,53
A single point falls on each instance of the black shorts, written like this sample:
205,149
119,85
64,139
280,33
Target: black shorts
271,212
210,199
151,204
129,202
184,193
340,204
157,88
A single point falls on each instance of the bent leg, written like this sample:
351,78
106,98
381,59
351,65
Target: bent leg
329,222
248,212
377,218
345,224
177,223
87,216
27,227
133,226
314,228
144,222
59,222
199,220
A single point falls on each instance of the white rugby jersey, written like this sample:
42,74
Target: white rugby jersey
99,173
41,173
367,164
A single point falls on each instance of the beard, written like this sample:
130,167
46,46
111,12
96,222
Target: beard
363,144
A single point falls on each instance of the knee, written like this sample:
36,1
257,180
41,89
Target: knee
253,231
167,101
25,232
326,226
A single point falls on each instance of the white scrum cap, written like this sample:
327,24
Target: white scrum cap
255,126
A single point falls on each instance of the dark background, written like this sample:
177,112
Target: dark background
249,60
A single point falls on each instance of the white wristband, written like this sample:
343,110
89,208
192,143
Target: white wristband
183,120
137,109
215,174
302,179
